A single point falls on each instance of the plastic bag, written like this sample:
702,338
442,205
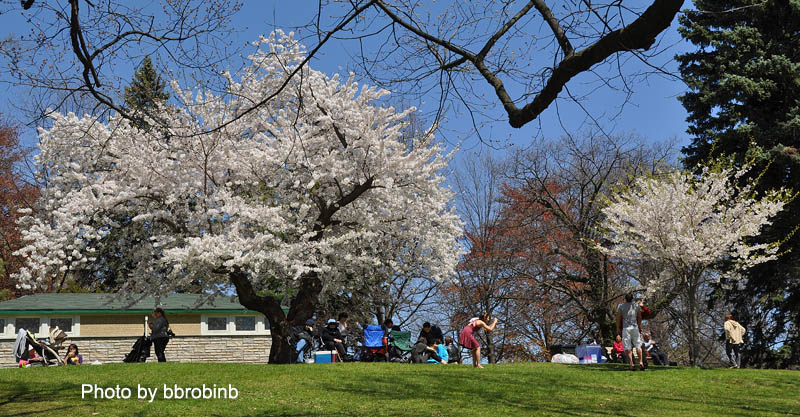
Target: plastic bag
564,358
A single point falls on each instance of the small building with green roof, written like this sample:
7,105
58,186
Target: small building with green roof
105,326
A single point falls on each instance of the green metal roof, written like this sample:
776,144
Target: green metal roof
107,304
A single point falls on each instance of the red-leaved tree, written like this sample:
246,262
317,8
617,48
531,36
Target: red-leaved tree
17,190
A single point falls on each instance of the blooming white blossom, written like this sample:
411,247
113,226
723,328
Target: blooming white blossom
316,181
691,222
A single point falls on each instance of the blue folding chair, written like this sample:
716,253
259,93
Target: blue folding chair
374,348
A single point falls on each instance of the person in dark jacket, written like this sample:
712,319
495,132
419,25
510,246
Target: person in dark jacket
430,333
425,332
332,339
158,333
387,327
303,339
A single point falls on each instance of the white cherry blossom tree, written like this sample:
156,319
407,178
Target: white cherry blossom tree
281,203
702,226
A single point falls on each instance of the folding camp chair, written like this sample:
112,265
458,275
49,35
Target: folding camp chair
399,346
375,347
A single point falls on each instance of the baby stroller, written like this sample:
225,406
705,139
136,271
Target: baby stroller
31,351
141,348
399,346
140,351
375,347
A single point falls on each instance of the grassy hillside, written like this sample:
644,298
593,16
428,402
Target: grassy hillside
366,389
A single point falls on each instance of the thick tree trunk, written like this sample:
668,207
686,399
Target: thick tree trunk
606,326
301,309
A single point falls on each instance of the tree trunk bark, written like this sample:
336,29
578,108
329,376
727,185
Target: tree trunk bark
491,355
694,351
280,323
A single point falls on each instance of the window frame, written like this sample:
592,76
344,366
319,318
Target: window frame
11,328
38,332
230,328
76,324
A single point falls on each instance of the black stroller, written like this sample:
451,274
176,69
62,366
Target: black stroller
141,348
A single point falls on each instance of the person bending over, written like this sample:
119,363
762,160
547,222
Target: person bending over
468,340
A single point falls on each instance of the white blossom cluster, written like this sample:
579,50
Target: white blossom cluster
250,196
691,222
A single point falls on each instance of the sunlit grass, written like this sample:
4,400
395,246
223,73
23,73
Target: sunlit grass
375,389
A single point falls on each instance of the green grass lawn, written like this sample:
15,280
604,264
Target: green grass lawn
375,389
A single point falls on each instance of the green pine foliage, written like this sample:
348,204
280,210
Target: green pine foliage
744,101
744,78
147,89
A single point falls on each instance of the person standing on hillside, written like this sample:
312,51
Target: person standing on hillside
158,333
734,332
468,340
629,326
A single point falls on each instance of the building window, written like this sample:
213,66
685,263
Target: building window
31,324
2,326
217,324
245,323
233,325
63,323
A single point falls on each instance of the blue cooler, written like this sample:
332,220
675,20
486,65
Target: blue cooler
589,353
325,356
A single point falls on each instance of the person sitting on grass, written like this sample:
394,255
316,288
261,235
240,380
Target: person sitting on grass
423,353
441,350
453,352
73,357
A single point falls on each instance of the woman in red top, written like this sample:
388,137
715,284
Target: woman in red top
618,349
467,337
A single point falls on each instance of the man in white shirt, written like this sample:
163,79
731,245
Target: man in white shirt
629,326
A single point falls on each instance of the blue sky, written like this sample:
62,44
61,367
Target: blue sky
653,111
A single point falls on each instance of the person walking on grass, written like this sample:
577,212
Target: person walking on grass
734,332
468,340
629,326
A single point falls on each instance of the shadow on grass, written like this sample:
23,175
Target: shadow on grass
617,367
467,392
27,399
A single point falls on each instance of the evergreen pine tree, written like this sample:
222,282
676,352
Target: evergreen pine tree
744,81
147,89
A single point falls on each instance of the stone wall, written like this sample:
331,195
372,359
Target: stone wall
241,349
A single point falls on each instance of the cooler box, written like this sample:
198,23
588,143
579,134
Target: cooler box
325,356
589,353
